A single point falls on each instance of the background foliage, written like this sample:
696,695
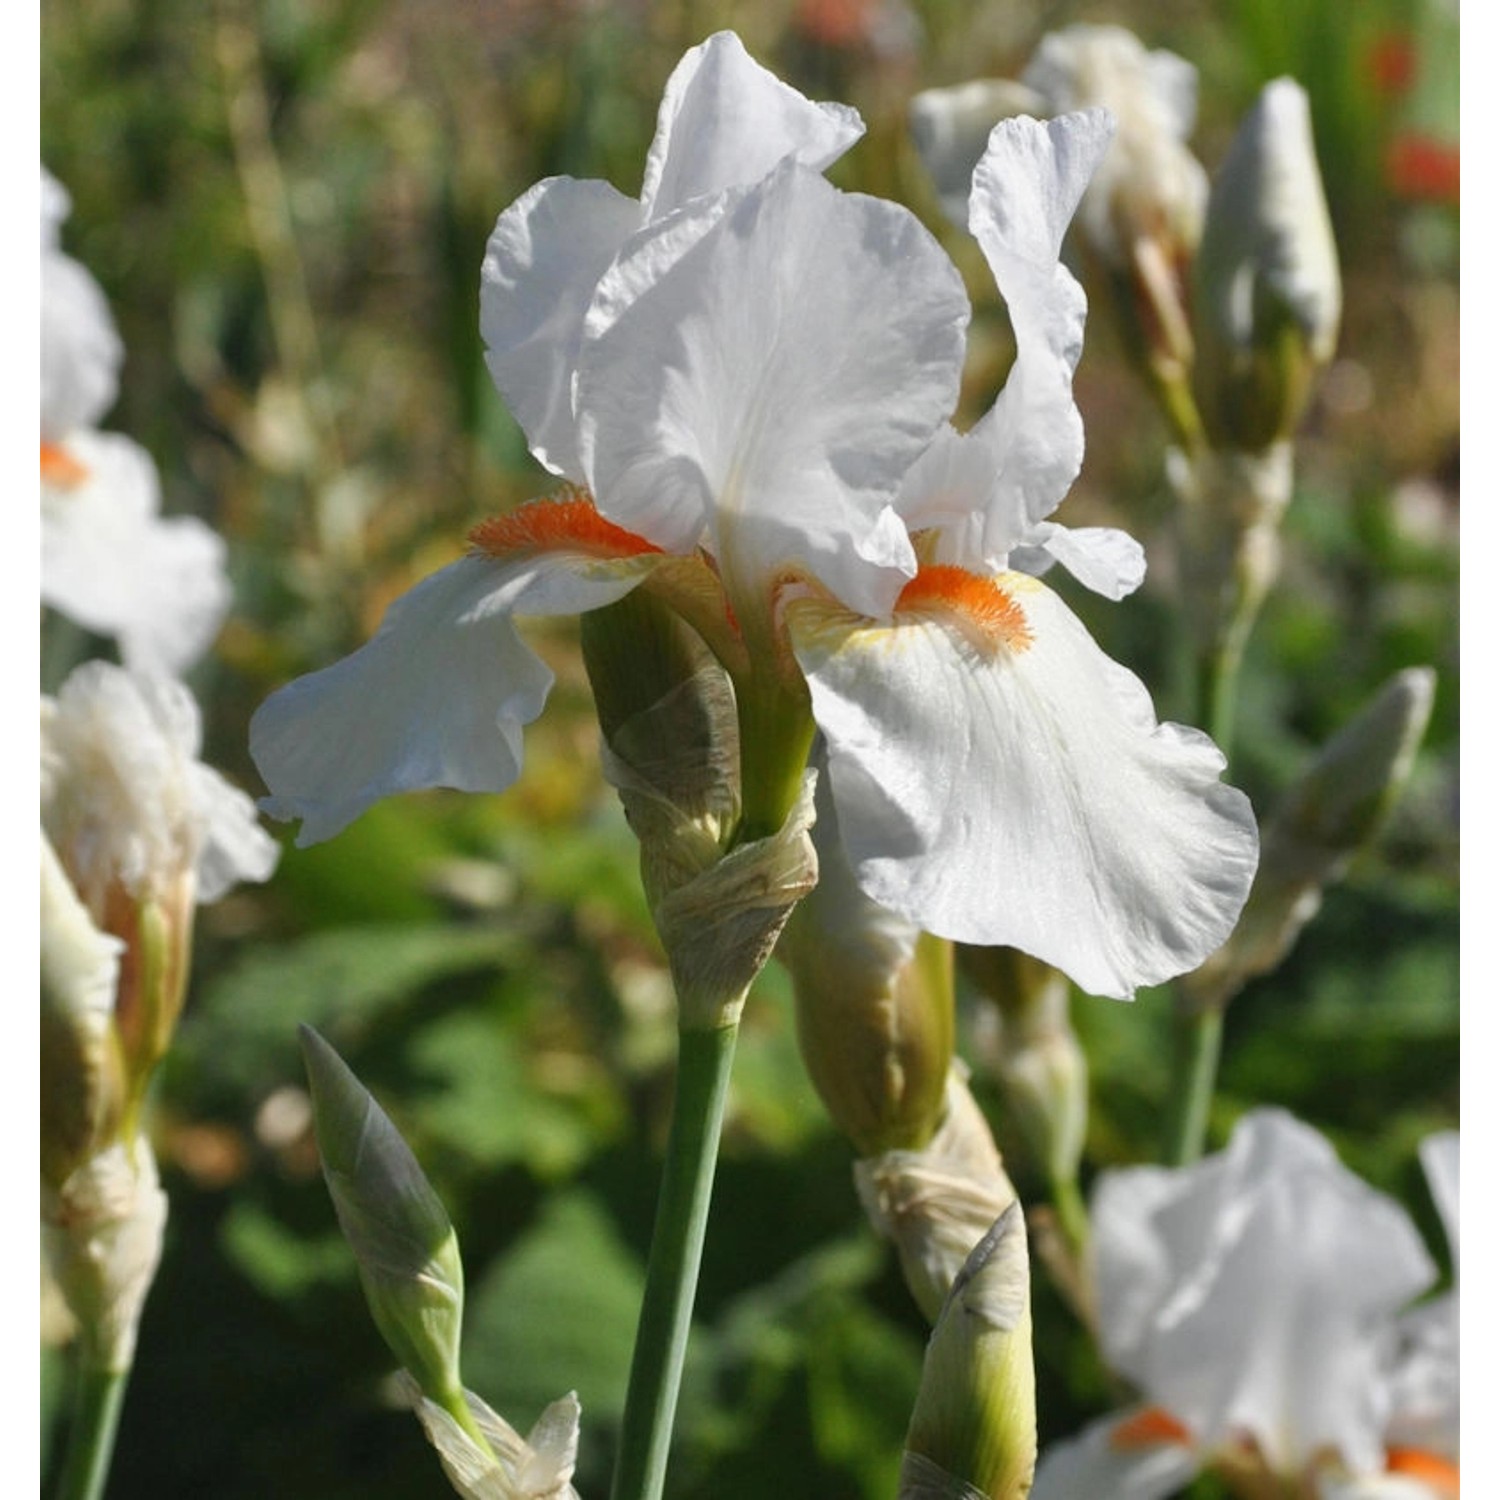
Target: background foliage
286,203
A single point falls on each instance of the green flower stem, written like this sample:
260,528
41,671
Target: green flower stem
1195,1067
1072,1213
97,1400
703,1066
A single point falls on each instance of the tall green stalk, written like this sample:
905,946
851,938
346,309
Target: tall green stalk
97,1399
704,1061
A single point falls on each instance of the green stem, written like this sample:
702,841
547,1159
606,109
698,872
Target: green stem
1195,1066
1072,1214
703,1065
91,1440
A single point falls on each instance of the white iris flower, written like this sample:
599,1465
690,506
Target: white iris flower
746,377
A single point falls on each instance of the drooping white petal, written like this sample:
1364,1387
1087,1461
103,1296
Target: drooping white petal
1094,1466
1255,1292
113,564
765,397
1102,558
543,260
950,128
725,122
436,698
1439,1155
1021,791
81,348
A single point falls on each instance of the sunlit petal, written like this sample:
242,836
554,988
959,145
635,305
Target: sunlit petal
765,398
1108,561
725,122
543,260
1001,781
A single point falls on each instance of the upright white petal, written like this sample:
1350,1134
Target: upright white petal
81,349
1026,188
1005,782
111,562
765,398
725,122
1096,1466
436,698
544,258
1255,1293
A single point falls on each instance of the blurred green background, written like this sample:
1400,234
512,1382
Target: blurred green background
287,204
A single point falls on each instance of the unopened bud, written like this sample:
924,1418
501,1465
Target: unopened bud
874,1005
937,1203
403,1243
102,1233
1329,814
82,1082
1035,1055
973,1430
1267,294
951,127
536,1467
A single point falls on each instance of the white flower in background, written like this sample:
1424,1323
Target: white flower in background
1253,1300
1148,185
110,561
131,811
81,349
1425,1416
756,400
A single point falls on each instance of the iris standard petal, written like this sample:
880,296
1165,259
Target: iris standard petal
1000,780
765,398
437,697
1026,187
542,263
725,122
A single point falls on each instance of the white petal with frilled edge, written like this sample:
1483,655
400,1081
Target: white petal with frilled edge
543,260
1095,1466
436,698
111,563
765,397
1256,1292
235,846
725,122
950,128
1023,793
